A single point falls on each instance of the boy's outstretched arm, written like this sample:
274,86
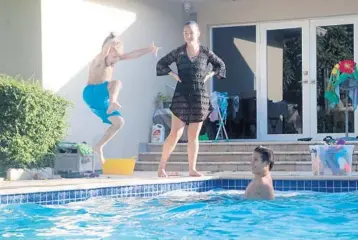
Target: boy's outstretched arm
140,52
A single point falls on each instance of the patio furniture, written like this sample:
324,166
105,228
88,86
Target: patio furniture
220,104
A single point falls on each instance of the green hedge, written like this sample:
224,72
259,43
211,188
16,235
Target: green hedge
32,122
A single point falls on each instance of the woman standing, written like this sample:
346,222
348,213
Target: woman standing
191,101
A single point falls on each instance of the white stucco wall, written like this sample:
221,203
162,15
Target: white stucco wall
72,34
2,34
20,38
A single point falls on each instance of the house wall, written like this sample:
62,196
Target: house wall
72,34
210,13
20,38
239,12
3,32
242,12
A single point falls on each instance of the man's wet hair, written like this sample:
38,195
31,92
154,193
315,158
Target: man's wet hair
266,155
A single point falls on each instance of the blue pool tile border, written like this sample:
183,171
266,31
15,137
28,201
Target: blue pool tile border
152,190
143,190
327,186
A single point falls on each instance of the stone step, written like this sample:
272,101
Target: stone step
237,157
241,146
289,166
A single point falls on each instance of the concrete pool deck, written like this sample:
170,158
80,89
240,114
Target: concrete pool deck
138,178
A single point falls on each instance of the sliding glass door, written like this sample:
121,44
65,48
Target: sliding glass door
296,60
284,93
331,40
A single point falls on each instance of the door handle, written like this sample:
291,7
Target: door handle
305,81
313,81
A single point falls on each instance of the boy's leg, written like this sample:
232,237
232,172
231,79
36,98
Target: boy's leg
113,88
117,123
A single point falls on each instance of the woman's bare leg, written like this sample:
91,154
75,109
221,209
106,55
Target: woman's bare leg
170,143
193,147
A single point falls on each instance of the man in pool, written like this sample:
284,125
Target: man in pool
261,186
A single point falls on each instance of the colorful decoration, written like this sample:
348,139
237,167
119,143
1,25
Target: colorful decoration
345,70
347,66
332,159
331,141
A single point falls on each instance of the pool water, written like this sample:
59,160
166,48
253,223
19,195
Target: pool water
183,215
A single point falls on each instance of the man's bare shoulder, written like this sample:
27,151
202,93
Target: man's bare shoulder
249,187
266,191
259,190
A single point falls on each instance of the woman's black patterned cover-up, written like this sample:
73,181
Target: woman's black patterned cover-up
191,100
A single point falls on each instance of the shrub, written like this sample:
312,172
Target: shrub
32,122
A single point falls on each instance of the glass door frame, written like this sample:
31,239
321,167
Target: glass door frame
314,23
262,96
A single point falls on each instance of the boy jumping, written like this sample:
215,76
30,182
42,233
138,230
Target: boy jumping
101,92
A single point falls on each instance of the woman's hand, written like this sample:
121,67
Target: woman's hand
175,76
208,76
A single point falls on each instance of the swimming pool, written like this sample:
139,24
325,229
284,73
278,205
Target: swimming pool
216,214
210,207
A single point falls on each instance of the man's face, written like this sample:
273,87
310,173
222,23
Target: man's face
257,165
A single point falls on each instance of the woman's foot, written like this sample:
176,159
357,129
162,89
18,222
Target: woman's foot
194,173
162,173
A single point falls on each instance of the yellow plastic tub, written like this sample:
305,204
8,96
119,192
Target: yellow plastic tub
119,166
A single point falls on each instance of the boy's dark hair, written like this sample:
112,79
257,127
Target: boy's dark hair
193,23
108,38
266,155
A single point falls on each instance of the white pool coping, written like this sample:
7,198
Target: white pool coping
140,178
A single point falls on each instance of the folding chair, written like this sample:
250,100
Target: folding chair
220,104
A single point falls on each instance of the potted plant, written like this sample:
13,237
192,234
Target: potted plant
162,101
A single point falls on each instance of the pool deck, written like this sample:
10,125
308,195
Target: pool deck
138,178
